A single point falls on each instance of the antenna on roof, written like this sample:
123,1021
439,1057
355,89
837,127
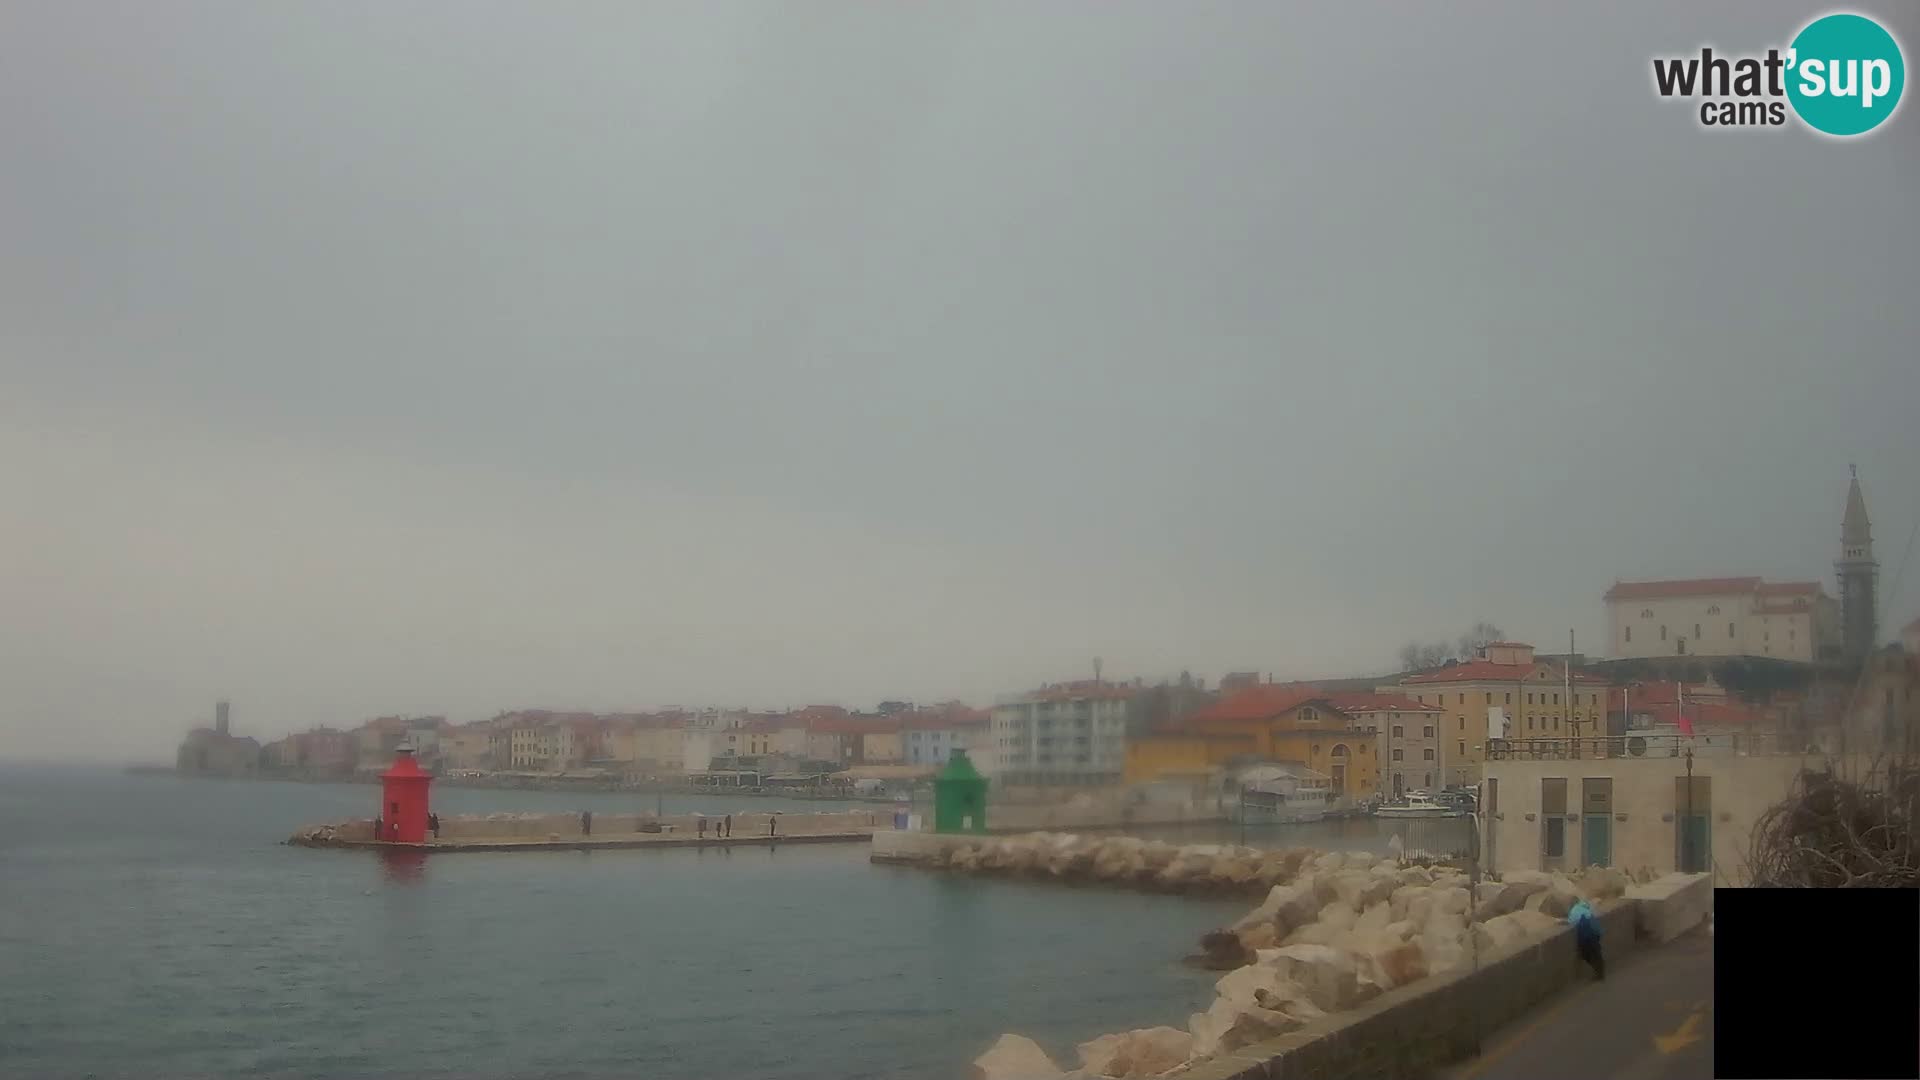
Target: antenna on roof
1096,671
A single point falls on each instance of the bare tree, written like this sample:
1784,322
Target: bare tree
1481,635
1414,656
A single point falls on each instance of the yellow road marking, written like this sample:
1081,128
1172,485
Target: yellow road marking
1685,1035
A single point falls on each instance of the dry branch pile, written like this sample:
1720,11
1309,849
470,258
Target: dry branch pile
1836,832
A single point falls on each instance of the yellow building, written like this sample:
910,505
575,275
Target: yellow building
1505,693
1264,723
882,747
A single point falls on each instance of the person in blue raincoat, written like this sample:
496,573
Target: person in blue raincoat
1586,936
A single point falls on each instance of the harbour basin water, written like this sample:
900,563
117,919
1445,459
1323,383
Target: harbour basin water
154,926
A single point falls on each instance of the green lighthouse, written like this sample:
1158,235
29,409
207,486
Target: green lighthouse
959,797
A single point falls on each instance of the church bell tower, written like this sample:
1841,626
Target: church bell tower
1859,574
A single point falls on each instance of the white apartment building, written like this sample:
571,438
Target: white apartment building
1742,616
1073,734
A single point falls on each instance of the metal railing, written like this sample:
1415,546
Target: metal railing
1743,744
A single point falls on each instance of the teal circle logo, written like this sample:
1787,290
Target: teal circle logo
1845,74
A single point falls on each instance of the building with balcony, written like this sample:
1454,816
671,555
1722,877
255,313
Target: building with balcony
1069,734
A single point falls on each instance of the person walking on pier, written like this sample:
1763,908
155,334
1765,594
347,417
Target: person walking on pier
701,822
433,822
1586,937
586,823
379,828
729,824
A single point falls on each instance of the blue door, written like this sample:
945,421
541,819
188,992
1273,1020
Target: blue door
1599,841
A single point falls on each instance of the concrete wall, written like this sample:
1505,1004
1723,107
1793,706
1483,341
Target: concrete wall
567,826
1406,1033
1645,802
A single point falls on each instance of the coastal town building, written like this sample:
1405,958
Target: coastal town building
217,751
930,736
1739,616
1407,737
1685,804
1264,723
1503,693
1066,734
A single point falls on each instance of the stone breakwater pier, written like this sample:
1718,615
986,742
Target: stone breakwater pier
578,832
1352,964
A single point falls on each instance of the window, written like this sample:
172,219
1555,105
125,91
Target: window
1399,731
1789,633
1509,699
1489,697
1429,732
1461,723
1663,633
1339,751
1556,837
1306,713
1729,629
1629,633
1556,723
1646,613
1429,779
1397,755
1529,699
1529,723
1696,630
1556,699
1714,610
1462,701
1428,754
1463,748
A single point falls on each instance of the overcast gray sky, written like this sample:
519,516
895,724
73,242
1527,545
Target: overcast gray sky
454,356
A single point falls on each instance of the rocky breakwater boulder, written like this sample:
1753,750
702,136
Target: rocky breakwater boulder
1333,932
1015,1057
1119,860
1146,1052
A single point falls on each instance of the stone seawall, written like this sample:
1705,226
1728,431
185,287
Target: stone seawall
471,829
1354,965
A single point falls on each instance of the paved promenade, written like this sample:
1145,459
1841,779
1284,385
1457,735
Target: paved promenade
1652,1019
606,843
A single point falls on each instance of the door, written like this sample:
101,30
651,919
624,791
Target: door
1596,820
1692,823
1553,822
1597,849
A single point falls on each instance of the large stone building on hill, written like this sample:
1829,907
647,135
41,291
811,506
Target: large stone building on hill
216,751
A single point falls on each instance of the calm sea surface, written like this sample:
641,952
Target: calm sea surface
156,927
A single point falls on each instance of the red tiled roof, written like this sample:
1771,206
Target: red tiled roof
1260,702
1360,702
1488,671
1707,715
1509,645
1653,590
1790,588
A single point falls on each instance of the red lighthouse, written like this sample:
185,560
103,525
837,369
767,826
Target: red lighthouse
403,799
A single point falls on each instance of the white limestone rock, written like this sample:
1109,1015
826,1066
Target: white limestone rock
1144,1052
1327,974
1015,1057
1373,922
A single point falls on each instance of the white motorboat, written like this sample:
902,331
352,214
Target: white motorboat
1418,807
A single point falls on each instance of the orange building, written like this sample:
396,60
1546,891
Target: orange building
1264,723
